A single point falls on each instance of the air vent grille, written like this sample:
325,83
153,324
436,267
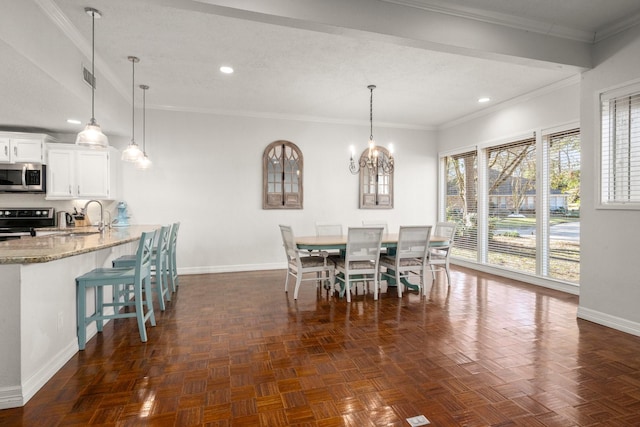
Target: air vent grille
89,78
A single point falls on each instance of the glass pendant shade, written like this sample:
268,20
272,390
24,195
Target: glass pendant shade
92,135
143,162
132,153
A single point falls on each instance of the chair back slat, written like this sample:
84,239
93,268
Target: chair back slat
143,255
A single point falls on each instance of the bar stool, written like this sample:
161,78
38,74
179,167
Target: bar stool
159,265
139,277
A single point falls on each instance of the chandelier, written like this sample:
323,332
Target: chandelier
375,160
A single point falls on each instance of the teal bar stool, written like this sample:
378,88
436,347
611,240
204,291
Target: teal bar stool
159,265
138,277
173,266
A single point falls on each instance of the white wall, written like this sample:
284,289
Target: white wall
610,271
207,173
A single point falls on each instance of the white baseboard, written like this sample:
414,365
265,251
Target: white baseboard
609,321
11,397
15,397
232,268
44,374
569,288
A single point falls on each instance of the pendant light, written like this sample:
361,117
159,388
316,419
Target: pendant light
132,153
144,162
92,135
375,159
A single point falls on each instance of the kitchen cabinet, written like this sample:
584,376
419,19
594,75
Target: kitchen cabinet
79,173
22,147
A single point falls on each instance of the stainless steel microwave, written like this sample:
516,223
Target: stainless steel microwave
22,177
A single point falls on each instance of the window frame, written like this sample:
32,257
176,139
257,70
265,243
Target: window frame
626,91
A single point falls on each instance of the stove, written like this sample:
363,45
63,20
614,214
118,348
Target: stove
18,222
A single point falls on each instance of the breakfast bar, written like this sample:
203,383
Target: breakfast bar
38,328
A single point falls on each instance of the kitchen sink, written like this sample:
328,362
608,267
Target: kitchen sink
79,233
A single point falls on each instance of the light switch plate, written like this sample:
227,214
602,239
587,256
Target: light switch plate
419,420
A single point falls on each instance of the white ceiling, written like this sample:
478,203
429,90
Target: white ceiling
309,59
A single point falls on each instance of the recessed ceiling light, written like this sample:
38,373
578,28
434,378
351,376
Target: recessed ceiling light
74,121
484,99
226,69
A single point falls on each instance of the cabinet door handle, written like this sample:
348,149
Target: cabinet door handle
69,189
6,150
15,150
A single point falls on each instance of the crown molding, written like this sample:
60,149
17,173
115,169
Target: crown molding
498,18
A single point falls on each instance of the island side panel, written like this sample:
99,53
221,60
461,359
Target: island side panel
48,313
10,389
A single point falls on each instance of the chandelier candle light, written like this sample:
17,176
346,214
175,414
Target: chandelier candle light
374,160
92,135
132,153
143,161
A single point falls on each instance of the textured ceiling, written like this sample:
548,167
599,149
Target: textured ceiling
292,68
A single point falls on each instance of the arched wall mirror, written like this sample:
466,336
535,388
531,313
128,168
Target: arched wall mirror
376,183
282,164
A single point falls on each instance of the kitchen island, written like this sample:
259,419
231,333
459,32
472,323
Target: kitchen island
38,331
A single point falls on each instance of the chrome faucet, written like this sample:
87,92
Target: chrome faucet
101,223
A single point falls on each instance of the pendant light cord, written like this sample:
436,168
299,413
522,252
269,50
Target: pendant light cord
93,66
144,120
133,99
371,112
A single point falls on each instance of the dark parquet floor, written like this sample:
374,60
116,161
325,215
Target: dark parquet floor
235,350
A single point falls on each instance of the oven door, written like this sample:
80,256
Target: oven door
22,177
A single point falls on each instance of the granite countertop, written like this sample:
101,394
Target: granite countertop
71,241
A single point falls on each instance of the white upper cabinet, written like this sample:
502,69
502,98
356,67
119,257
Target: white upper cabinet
22,147
80,173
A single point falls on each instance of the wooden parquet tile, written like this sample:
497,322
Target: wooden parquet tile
235,350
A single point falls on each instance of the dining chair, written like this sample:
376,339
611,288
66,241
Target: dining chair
328,229
411,258
159,264
300,262
439,255
376,223
139,276
360,263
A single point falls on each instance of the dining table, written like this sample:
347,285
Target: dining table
339,242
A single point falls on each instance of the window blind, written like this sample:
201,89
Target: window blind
620,151
462,202
511,179
560,258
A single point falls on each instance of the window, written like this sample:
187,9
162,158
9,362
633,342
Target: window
517,204
561,257
462,202
376,183
620,153
511,176
282,176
